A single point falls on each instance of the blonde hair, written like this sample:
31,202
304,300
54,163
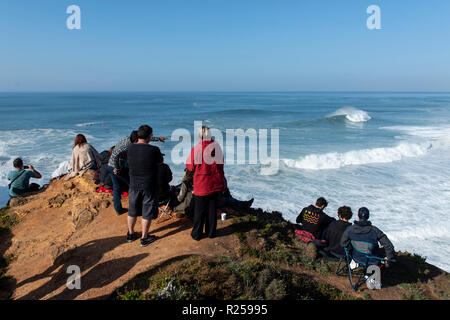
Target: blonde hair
204,133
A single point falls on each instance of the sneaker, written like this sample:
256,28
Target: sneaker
145,242
131,237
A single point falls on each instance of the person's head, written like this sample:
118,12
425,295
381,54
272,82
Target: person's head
145,133
79,140
18,163
345,213
204,133
363,214
112,149
321,203
134,136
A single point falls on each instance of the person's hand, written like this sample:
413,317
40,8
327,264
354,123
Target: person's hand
162,139
116,171
30,167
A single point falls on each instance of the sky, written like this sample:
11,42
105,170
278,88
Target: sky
218,45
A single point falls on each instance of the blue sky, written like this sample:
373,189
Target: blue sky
218,45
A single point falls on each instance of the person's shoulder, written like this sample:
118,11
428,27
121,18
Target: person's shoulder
30,173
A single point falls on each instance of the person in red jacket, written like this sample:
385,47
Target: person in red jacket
206,161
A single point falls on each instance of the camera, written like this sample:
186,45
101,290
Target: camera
26,167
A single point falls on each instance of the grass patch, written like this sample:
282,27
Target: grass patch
412,291
198,278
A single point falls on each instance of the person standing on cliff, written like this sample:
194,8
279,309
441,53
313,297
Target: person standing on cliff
118,167
143,162
206,161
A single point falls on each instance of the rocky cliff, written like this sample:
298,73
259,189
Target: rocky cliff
254,256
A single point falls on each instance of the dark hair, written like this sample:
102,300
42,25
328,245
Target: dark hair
18,163
134,136
79,140
321,202
363,213
345,212
144,131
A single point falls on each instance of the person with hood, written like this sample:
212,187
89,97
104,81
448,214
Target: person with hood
84,157
314,220
363,230
206,161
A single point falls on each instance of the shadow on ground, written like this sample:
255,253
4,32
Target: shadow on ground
84,256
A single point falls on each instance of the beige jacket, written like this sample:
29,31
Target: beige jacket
83,158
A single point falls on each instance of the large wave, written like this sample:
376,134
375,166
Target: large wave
336,160
351,114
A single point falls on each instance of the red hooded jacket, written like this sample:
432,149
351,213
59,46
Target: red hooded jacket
206,161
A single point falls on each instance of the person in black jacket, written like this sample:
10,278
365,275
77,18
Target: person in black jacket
164,178
314,220
336,230
363,230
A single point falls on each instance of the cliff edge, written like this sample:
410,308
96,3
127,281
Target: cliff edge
254,256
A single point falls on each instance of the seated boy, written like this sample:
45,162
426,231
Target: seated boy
314,220
363,230
20,179
336,229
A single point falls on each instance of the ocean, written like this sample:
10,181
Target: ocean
387,151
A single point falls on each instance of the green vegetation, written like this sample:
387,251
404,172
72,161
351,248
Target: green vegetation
412,291
224,278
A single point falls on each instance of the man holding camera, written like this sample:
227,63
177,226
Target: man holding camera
20,179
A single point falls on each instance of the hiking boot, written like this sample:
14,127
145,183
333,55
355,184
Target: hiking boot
131,237
145,242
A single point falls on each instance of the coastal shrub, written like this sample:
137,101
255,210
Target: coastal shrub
224,279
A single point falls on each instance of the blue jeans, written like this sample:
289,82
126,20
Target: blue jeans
116,179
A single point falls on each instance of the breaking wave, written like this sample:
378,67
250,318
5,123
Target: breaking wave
351,114
335,160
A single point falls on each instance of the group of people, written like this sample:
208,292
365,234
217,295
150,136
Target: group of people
332,235
138,167
135,166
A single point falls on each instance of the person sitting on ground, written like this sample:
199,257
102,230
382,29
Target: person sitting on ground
118,167
227,200
84,157
143,161
20,179
314,220
363,230
104,178
164,178
336,229
185,195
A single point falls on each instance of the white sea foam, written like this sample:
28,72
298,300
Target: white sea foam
88,124
351,114
62,169
336,160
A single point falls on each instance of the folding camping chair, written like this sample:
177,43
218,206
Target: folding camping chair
361,253
163,208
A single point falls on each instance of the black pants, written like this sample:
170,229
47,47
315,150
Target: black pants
205,215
